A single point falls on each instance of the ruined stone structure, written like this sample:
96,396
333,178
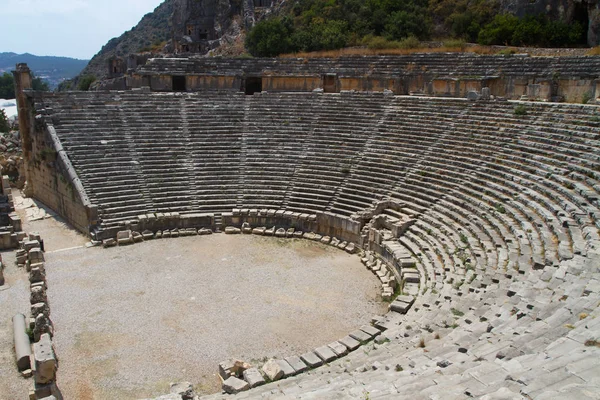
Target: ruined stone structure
570,79
484,213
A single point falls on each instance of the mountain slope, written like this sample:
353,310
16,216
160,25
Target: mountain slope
152,30
51,69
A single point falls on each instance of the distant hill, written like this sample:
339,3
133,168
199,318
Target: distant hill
52,69
151,32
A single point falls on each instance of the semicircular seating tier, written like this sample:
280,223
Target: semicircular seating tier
505,210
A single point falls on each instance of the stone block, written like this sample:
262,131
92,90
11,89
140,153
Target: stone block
325,353
272,370
231,230
253,377
137,237
351,343
45,360
280,233
360,336
35,255
205,231
233,368
40,308
124,237
370,330
109,242
30,244
38,295
246,228
311,359
37,275
259,231
286,368
338,348
296,363
233,385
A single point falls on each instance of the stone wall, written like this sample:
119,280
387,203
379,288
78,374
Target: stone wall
54,181
449,75
50,176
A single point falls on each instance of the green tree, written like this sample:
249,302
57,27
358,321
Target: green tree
7,86
531,30
270,37
39,84
4,126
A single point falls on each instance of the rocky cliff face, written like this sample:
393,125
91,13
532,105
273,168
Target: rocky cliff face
202,25
151,31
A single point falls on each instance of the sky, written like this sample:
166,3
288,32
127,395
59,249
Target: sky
69,28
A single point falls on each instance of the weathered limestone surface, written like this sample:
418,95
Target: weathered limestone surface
45,360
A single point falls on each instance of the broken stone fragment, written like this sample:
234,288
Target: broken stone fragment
280,232
45,360
272,370
109,242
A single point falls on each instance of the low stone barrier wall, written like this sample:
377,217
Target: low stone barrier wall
41,363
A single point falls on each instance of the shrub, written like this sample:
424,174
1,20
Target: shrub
455,44
457,312
410,42
520,110
85,82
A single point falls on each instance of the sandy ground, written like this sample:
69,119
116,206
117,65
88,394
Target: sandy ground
130,320
14,294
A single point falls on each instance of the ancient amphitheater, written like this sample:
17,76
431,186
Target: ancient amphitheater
468,193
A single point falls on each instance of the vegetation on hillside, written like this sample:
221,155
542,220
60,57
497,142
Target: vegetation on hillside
315,25
7,85
150,33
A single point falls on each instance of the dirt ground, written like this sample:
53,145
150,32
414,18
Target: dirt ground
130,320
14,294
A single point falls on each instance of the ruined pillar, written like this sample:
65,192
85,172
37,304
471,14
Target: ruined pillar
23,82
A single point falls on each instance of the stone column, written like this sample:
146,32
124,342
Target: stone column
23,82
